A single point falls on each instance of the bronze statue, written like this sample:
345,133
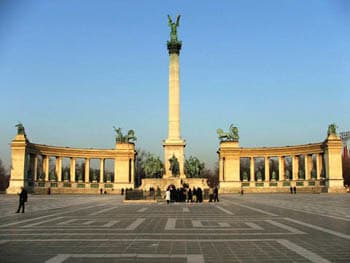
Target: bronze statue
232,135
313,173
174,166
245,176
273,175
20,129
130,137
258,175
173,26
332,129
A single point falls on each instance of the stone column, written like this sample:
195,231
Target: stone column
18,164
72,169
59,168
308,166
221,170
174,97
252,169
281,168
35,168
333,163
46,165
174,145
295,165
87,170
132,171
267,169
102,167
319,165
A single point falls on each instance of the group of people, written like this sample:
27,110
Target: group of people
184,194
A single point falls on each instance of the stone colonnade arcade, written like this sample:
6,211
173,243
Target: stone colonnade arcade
314,167
31,168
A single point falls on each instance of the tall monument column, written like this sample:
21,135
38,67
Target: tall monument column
174,145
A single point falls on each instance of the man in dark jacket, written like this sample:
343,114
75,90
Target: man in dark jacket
23,197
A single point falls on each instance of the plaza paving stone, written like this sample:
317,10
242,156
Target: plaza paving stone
248,228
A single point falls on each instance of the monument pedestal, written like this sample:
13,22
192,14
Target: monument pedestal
163,183
174,148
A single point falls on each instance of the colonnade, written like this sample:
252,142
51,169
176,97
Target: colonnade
309,165
31,167
311,170
43,173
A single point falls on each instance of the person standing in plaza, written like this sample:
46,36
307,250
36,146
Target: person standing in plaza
216,194
167,196
211,194
194,194
189,194
291,190
23,197
295,189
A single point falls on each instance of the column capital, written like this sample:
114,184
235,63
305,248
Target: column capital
174,47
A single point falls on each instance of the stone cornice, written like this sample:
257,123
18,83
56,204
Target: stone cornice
312,148
81,152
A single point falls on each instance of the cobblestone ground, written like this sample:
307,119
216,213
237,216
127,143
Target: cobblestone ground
249,228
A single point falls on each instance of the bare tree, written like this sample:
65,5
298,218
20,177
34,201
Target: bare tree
4,177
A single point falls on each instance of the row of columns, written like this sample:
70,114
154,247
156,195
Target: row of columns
281,167
58,166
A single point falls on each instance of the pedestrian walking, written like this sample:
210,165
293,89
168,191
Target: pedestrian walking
23,197
291,190
295,189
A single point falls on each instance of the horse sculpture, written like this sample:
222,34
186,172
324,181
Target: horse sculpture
232,135
120,138
20,128
332,129
130,137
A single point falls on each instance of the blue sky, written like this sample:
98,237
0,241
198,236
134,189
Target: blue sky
70,70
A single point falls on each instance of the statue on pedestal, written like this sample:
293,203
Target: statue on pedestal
288,177
313,174
273,176
174,45
245,176
173,26
258,175
232,135
66,176
174,166
120,138
301,174
332,129
20,129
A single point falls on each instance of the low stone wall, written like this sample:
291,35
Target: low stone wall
78,188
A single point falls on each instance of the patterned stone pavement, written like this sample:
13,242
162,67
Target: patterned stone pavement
249,228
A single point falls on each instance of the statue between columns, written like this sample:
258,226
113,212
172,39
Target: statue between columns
120,138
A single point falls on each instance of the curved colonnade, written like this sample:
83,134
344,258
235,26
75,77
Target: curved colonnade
39,167
311,167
